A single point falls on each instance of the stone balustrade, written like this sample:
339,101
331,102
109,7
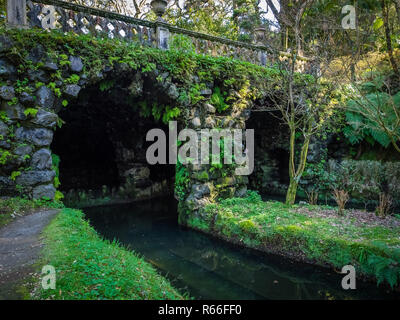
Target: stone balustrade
69,17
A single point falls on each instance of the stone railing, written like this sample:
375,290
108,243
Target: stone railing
69,17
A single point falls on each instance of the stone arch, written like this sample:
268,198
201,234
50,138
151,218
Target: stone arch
35,133
30,170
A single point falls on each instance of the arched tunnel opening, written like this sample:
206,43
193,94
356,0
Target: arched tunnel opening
102,149
271,156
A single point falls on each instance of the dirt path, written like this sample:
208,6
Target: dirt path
20,244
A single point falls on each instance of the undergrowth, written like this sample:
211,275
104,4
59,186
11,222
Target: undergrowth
336,241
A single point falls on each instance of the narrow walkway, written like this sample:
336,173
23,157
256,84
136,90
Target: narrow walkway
20,244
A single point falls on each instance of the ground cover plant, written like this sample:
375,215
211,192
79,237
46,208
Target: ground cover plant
317,234
89,267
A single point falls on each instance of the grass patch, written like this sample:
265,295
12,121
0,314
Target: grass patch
11,208
88,267
373,248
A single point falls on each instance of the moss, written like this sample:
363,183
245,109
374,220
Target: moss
248,226
89,267
202,176
247,79
274,226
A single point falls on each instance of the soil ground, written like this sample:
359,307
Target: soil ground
20,245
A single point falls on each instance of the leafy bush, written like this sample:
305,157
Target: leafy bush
341,197
363,179
373,113
181,43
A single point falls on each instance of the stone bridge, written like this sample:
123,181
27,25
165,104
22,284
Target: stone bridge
103,98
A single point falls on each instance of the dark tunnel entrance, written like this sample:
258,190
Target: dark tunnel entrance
271,155
102,150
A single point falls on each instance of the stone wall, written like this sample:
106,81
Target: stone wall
207,183
34,103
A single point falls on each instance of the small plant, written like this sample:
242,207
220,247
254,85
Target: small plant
14,175
341,197
182,43
73,79
384,206
31,112
312,197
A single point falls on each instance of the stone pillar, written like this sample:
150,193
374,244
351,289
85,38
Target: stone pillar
162,36
162,33
259,39
16,13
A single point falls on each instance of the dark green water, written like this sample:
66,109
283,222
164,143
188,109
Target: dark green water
208,268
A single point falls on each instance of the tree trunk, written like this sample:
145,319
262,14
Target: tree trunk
385,13
397,6
291,192
295,175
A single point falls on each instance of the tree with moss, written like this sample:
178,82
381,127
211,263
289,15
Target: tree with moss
305,104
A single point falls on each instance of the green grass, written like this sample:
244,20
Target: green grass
89,267
334,241
11,208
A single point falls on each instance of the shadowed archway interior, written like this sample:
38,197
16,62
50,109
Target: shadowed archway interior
102,146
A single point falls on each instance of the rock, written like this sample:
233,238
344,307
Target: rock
193,204
7,92
242,180
241,192
195,79
122,67
143,193
164,75
173,92
38,75
31,178
6,69
246,114
14,112
210,108
76,64
39,137
23,150
5,44
137,173
72,90
44,191
3,129
45,119
209,122
50,66
7,186
27,100
83,80
136,87
37,54
97,77
227,181
45,97
41,160
107,68
206,92
200,190
196,122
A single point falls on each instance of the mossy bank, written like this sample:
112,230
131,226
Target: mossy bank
313,234
89,267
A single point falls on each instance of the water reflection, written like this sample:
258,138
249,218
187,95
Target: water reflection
211,269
